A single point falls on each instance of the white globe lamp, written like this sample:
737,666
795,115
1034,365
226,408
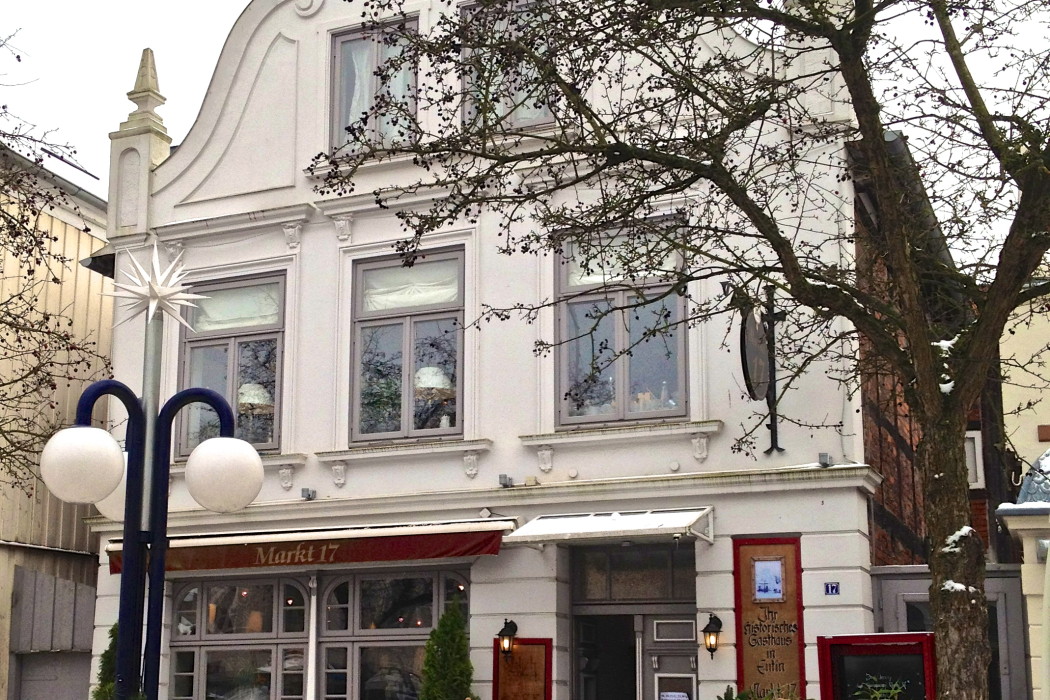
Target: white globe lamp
224,474
112,506
81,464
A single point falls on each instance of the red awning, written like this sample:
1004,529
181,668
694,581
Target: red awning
310,548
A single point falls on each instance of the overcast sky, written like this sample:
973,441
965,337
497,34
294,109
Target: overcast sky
79,60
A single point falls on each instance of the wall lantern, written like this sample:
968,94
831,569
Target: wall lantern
711,631
506,636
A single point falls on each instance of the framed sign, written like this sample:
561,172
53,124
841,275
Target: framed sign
898,665
767,575
675,686
524,674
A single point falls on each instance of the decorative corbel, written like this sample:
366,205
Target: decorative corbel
293,232
342,226
285,475
700,446
339,474
545,455
470,463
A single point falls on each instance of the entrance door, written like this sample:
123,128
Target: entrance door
636,657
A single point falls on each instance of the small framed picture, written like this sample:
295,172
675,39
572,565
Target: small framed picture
769,579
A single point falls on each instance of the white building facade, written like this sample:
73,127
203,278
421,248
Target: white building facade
414,461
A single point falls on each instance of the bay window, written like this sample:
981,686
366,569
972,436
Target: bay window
407,349
235,349
249,639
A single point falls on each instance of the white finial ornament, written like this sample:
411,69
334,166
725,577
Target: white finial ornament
156,289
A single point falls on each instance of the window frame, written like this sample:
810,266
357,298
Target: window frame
617,294
230,338
406,317
338,136
468,80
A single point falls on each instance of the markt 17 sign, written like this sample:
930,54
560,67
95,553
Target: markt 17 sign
768,578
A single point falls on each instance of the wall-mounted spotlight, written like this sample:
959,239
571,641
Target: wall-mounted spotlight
711,630
506,636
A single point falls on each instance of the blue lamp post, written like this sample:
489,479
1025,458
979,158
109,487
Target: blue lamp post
83,464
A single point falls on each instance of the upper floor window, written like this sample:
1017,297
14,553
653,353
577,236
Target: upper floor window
235,349
367,68
503,81
622,339
407,350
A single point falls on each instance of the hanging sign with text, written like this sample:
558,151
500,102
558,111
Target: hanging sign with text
768,578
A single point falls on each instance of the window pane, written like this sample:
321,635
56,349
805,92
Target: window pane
292,667
397,603
589,393
592,575
240,609
653,363
335,673
238,307
398,287
186,613
356,68
391,673
256,390
456,593
337,608
208,368
638,572
393,126
380,377
182,675
608,259
434,372
293,609
244,674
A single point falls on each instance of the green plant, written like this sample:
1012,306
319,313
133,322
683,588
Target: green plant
447,671
106,689
880,688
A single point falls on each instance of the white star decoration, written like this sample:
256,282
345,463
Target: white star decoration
155,290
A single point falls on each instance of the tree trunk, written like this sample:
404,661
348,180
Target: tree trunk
957,597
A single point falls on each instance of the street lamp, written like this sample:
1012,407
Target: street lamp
83,464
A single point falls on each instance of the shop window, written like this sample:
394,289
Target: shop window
235,349
621,337
248,639
407,350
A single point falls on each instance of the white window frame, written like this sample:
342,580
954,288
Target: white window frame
406,317
230,337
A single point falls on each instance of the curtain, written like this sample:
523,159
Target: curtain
423,284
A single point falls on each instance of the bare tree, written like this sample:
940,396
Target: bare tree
760,143
39,350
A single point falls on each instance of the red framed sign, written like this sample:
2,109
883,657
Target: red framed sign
525,673
899,665
767,576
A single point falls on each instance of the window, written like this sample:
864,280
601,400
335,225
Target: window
235,349
503,84
622,351
250,639
356,59
407,350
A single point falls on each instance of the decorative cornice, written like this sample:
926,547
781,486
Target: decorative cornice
234,223
307,8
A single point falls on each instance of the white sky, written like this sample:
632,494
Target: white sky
79,60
